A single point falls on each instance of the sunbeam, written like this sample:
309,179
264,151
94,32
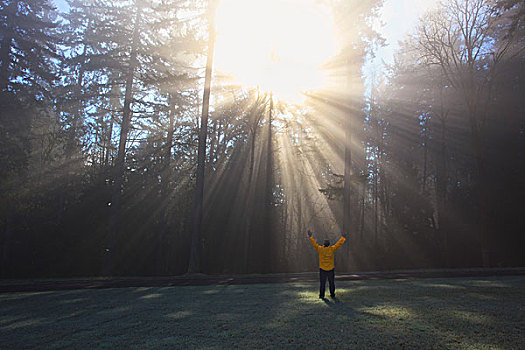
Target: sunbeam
277,45
122,155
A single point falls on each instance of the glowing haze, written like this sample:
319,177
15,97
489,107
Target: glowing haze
277,45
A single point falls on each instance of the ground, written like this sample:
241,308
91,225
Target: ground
418,313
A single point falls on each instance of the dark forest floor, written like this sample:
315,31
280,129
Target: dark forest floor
397,313
20,285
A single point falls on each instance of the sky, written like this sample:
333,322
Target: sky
397,18
276,45
61,4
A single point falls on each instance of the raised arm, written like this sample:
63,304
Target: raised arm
314,243
340,241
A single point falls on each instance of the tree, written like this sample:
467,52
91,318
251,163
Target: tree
27,76
461,38
124,129
359,40
27,47
195,256
121,49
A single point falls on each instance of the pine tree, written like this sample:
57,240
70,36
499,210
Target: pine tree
28,47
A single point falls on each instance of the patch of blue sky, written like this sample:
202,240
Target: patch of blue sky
61,5
397,19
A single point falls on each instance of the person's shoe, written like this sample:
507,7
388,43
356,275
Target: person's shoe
332,296
321,296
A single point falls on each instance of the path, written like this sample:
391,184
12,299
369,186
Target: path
201,279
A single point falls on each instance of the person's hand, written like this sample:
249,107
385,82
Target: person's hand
344,234
309,233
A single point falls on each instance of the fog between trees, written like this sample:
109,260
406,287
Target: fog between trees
99,126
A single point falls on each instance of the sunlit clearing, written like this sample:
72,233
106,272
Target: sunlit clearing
472,317
391,311
277,45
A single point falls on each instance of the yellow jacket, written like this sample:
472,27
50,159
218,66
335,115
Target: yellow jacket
326,254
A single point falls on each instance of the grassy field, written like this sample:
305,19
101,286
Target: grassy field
456,313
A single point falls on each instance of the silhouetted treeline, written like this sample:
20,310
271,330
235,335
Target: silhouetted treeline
99,109
447,140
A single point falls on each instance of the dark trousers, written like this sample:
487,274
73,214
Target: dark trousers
323,275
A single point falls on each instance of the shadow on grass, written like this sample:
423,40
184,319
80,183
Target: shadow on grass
457,313
462,313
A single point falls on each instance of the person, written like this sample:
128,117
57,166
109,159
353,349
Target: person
327,263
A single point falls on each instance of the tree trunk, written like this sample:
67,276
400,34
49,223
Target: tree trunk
115,106
71,142
254,114
5,47
376,204
250,199
425,160
8,239
214,140
347,176
118,170
4,65
269,242
252,154
194,265
164,215
482,192
362,217
441,192
441,183
108,141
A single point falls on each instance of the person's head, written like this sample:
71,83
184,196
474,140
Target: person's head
326,243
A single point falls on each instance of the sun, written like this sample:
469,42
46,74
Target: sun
276,45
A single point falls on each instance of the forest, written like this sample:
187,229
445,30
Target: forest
125,152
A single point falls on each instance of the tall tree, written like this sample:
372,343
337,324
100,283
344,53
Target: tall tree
28,72
358,40
460,38
119,162
196,244
27,47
